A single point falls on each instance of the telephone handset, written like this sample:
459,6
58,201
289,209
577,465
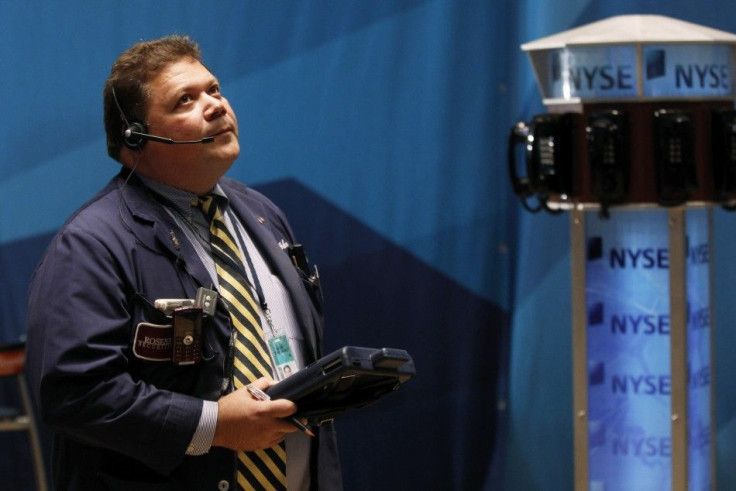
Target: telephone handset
548,158
723,156
608,157
674,154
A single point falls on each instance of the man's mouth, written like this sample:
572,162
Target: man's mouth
222,132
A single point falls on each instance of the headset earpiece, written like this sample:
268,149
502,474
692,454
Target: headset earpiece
132,141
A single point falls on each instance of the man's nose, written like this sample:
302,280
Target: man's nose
216,107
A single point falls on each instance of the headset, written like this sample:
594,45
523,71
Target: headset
135,133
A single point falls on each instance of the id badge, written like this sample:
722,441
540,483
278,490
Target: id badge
283,358
279,348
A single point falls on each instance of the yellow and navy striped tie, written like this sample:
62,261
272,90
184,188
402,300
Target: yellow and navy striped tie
262,469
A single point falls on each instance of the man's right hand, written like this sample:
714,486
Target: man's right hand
245,423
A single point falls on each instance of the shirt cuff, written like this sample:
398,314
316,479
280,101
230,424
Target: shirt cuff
205,432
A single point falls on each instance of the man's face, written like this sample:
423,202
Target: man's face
185,103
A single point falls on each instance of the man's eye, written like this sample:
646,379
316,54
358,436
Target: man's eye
215,89
184,99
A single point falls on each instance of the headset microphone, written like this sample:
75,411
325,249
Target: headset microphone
136,131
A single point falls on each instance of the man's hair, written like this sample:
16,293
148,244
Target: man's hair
129,78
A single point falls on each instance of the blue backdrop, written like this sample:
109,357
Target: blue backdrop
380,127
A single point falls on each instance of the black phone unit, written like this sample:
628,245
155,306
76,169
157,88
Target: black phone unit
187,336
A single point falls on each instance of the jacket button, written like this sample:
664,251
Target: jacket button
223,485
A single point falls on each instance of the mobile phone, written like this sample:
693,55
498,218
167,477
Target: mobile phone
187,335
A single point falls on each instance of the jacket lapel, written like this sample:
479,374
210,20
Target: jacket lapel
154,228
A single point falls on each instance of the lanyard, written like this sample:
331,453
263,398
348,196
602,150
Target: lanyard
256,282
278,344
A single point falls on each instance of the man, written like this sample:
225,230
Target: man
132,405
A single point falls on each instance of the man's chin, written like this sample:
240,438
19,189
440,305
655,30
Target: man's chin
222,164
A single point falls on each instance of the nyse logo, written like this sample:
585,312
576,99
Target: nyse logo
700,378
709,76
698,254
629,257
642,446
648,385
596,314
654,324
700,437
644,257
597,374
596,434
595,248
688,75
698,318
641,324
644,385
633,324
602,77
656,64
628,384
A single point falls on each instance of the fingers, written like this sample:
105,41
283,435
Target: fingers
279,408
262,383
282,408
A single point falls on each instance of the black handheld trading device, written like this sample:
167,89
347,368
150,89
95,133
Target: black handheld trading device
346,379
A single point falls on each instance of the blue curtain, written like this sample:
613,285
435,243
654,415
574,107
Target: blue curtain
380,128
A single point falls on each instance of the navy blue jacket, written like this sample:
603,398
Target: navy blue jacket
122,422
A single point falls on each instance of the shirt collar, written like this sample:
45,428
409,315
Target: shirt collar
179,200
